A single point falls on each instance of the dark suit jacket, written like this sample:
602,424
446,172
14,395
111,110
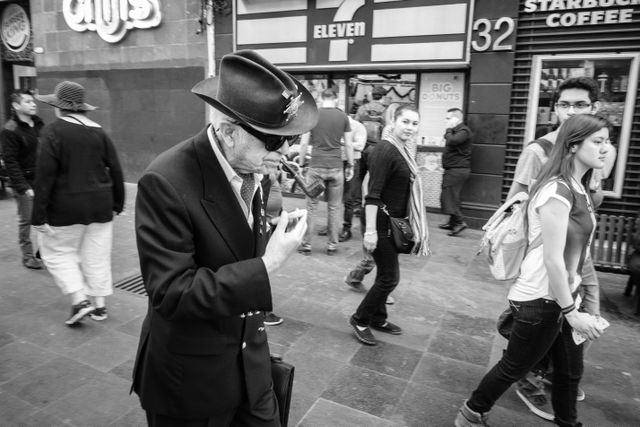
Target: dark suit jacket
201,339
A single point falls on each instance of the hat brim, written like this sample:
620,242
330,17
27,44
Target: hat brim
305,120
53,100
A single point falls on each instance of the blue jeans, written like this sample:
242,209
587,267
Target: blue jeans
373,308
25,206
366,264
333,179
538,328
352,196
364,267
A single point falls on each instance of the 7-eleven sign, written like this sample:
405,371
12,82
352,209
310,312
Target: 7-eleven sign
354,33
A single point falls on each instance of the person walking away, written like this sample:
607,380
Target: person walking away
561,222
352,194
78,187
19,140
578,95
326,165
456,161
394,190
371,115
203,357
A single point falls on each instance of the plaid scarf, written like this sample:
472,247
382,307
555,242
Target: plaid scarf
417,213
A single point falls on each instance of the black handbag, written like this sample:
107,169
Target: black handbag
401,233
282,375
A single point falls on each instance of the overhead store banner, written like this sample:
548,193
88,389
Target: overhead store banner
571,13
353,34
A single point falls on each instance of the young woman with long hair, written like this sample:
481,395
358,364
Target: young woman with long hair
394,189
560,215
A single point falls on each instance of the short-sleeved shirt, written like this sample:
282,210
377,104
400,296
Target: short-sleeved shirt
529,164
326,138
533,282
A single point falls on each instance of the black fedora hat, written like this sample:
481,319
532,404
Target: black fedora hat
67,96
251,89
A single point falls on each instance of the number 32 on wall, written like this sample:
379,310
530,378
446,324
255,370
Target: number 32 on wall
485,42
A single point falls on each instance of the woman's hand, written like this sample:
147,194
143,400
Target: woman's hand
584,323
45,229
370,240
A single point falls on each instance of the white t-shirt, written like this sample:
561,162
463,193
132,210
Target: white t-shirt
533,282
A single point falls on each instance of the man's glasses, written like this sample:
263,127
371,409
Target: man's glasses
578,106
271,142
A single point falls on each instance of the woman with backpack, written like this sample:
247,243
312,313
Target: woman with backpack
542,298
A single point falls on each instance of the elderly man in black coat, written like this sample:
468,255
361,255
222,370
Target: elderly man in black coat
203,358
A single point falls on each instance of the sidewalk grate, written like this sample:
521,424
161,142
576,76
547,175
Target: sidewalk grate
133,284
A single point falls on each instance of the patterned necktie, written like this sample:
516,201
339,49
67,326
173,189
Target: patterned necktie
246,190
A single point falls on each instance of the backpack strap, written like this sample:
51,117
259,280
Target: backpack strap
518,198
538,240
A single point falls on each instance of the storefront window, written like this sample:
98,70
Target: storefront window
399,89
316,83
617,77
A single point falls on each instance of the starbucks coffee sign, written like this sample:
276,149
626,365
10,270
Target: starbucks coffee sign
16,31
111,19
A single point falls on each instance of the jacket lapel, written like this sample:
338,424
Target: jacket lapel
220,203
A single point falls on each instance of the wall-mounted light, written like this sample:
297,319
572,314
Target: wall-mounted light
38,49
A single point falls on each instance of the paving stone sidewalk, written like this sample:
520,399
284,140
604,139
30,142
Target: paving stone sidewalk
53,375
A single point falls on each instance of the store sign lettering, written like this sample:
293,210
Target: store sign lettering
111,19
16,31
492,40
592,17
442,92
340,29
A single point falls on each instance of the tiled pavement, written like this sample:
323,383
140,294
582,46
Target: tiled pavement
52,375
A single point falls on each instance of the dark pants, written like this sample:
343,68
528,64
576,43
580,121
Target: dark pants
366,264
538,328
352,195
452,182
25,206
265,414
373,309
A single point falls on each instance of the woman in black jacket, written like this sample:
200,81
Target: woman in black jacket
78,187
394,190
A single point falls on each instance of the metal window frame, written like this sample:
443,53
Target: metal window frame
627,121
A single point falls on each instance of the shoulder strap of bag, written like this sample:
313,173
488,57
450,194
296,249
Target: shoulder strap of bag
518,198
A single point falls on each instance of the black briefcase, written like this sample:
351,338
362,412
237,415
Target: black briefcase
282,374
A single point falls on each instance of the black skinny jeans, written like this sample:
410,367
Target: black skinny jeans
373,308
538,328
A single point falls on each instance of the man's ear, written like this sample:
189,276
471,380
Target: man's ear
595,107
228,133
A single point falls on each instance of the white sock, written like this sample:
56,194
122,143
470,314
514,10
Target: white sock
99,301
77,296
